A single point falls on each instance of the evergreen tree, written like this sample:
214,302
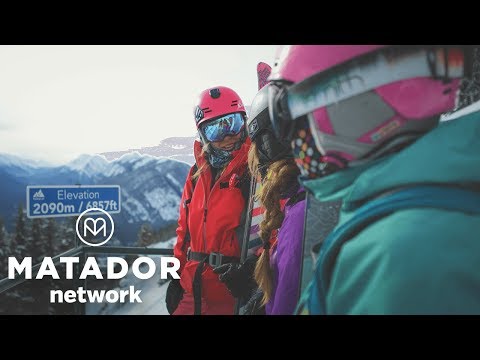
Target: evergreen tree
36,288
3,237
3,250
18,245
19,299
36,242
167,232
50,238
7,300
67,236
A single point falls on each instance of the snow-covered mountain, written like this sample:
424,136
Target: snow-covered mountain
151,191
89,164
177,148
151,187
19,166
14,160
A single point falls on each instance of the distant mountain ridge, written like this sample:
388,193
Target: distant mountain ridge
151,187
176,148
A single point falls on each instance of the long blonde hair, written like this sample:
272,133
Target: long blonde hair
280,177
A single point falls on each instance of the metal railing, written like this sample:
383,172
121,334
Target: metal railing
81,251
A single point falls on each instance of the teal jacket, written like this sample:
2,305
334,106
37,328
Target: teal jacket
414,261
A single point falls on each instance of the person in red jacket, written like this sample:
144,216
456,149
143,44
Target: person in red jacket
214,205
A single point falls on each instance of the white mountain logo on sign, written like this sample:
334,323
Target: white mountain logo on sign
38,195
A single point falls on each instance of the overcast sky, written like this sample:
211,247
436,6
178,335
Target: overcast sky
57,102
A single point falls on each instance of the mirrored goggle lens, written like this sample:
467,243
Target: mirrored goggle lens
217,129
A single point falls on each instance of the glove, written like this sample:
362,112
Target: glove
174,295
238,277
254,304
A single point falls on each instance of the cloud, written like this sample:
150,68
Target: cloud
62,100
6,126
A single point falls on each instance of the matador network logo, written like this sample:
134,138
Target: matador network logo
95,227
94,231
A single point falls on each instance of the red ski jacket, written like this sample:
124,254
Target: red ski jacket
212,219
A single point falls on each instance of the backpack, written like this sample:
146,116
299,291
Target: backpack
320,219
313,299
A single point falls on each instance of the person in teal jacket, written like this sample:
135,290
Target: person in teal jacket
364,124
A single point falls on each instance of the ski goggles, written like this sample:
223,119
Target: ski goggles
288,102
228,125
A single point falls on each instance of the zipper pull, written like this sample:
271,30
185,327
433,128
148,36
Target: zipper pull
234,180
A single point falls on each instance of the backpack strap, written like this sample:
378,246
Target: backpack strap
197,279
439,197
252,185
245,185
186,240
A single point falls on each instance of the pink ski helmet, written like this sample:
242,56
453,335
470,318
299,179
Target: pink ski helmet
362,100
215,102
